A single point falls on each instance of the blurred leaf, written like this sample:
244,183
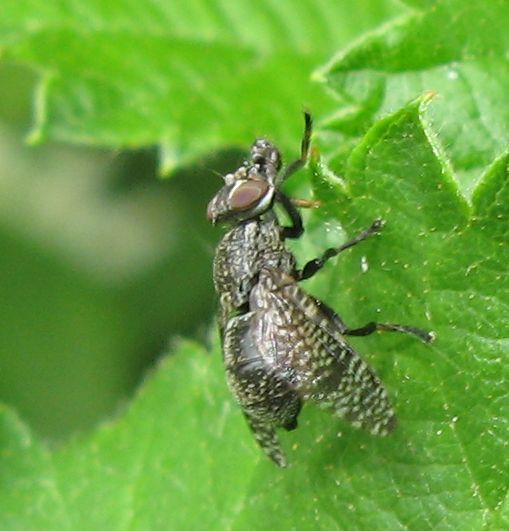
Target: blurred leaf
453,48
190,77
176,447
182,457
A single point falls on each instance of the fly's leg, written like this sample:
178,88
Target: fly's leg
304,150
297,228
305,203
370,328
265,435
290,205
315,265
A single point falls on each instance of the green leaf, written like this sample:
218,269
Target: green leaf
30,496
188,76
177,446
455,49
195,76
438,263
182,456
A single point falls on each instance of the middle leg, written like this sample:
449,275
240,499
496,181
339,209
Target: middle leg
316,264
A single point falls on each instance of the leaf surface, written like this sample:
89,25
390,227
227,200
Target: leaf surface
188,76
182,456
453,49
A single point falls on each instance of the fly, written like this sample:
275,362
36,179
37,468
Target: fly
281,346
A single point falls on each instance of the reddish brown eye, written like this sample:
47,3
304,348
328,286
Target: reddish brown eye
248,194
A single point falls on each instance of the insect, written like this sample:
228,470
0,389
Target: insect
281,346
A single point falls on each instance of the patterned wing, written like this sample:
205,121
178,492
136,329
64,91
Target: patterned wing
317,360
265,435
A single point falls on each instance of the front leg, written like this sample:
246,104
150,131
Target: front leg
297,228
304,151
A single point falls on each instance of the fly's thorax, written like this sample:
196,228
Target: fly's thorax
272,251
243,252
235,260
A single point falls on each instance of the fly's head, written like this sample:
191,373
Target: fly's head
248,192
265,157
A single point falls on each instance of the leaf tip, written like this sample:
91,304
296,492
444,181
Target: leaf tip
421,102
37,133
168,160
428,96
34,137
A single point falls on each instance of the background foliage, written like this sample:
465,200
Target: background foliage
101,262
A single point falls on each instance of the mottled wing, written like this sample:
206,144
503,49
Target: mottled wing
318,361
265,435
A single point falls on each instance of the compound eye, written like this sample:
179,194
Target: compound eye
248,194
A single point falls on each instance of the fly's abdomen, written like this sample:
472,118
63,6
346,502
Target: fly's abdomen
255,376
